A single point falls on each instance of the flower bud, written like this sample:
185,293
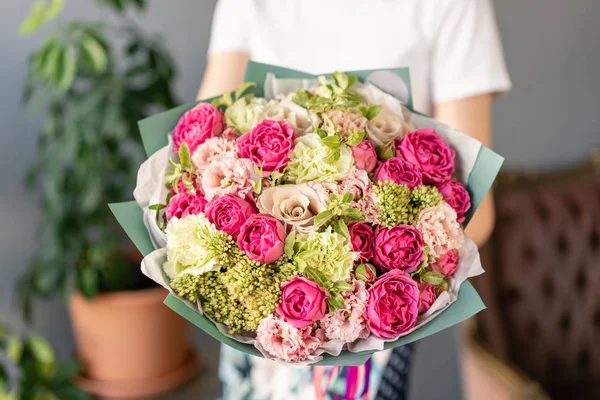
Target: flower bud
366,273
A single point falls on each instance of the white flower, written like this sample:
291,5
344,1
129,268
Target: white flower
290,112
441,232
386,127
189,249
243,115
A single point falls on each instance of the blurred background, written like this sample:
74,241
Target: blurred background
543,328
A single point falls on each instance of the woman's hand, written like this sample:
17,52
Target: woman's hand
224,73
473,116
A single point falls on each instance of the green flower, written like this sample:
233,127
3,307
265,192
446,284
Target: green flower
243,114
312,160
400,205
326,254
195,246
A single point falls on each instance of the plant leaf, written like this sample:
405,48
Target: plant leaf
333,142
433,277
67,68
342,286
323,217
93,53
341,228
156,207
243,88
289,244
336,302
316,276
41,349
14,349
185,158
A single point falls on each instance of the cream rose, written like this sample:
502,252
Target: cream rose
290,112
386,127
295,205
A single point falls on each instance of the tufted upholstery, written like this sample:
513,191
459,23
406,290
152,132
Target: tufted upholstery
542,288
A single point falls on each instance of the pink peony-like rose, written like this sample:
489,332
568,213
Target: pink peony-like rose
366,273
349,323
400,172
228,175
425,149
262,238
268,145
302,302
283,341
211,149
457,197
393,305
197,125
361,238
426,296
365,157
399,247
228,213
441,232
446,264
183,204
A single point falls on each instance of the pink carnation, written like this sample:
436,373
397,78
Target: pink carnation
440,229
198,125
228,175
281,340
211,149
183,204
349,324
358,183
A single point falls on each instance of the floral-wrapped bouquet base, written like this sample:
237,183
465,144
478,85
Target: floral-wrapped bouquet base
310,221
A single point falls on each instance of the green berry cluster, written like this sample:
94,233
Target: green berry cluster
400,205
240,296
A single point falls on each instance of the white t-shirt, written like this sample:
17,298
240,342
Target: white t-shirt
452,47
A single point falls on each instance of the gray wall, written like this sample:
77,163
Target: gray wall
550,119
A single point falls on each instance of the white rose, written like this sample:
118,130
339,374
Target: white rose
290,112
295,205
386,127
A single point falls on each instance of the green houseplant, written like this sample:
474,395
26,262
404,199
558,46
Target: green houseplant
29,369
93,81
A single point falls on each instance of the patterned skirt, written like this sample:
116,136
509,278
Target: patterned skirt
244,377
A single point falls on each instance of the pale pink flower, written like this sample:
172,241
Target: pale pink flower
211,149
365,200
349,324
228,175
440,229
281,340
345,121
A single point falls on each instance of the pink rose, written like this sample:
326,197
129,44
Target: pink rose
366,273
393,305
400,247
197,125
425,149
446,264
262,238
183,204
457,197
426,296
365,156
302,302
400,172
268,145
228,213
361,238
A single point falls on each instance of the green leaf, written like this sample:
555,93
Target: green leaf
41,349
370,112
342,286
316,276
355,138
333,142
88,282
224,101
14,349
258,186
51,58
336,302
156,207
243,88
66,372
433,277
352,214
323,217
302,97
341,80
341,228
185,158
388,151
41,12
347,198
66,69
289,244
94,54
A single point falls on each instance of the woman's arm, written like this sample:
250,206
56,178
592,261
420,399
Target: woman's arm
473,116
224,73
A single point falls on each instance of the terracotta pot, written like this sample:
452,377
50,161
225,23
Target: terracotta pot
130,344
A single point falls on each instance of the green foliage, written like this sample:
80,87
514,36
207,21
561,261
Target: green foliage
338,212
329,95
370,112
29,370
91,93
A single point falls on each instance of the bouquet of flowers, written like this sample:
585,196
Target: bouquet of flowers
309,220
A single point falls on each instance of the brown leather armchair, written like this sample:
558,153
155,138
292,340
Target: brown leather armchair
542,286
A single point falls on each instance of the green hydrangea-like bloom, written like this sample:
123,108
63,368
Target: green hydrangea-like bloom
327,253
313,161
400,205
243,115
239,297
